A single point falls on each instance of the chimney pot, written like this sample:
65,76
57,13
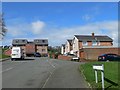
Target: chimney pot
93,34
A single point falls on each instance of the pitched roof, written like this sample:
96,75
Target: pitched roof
91,38
19,42
41,41
63,45
70,41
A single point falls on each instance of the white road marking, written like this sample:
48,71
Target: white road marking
13,66
51,64
6,70
51,73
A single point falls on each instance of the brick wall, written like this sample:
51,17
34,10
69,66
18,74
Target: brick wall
30,48
61,57
93,53
105,43
7,52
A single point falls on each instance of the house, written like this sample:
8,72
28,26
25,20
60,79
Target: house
41,46
29,47
63,49
80,42
68,46
20,43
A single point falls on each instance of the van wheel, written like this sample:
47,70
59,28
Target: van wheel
12,59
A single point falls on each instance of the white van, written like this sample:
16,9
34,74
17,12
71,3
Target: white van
17,53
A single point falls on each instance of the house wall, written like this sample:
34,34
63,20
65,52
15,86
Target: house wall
106,44
62,50
93,53
71,48
30,48
67,47
41,49
76,46
61,57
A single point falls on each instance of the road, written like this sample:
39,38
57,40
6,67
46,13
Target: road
41,73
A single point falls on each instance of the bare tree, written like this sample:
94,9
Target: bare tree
3,28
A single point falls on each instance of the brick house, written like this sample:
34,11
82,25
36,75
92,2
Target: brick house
29,47
80,42
20,43
68,46
41,46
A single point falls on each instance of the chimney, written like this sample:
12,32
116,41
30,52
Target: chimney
93,34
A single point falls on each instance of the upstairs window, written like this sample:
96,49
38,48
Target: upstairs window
37,40
94,43
84,43
17,41
43,41
23,40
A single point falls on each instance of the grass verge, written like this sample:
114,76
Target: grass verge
3,56
110,72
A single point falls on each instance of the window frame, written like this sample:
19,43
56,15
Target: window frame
94,43
84,43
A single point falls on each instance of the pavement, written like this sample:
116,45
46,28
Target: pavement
42,73
4,59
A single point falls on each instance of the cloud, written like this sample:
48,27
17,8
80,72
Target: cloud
109,28
37,27
87,17
58,35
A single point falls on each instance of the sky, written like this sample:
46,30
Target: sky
58,21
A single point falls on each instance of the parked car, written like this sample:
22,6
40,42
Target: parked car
36,54
109,57
74,57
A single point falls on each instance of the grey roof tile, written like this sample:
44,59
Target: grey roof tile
41,41
70,41
19,41
91,38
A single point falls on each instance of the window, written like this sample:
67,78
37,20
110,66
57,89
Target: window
43,41
16,41
37,40
23,40
94,43
84,43
43,50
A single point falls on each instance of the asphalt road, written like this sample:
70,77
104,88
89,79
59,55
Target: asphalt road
41,73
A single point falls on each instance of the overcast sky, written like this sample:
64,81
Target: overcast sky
59,21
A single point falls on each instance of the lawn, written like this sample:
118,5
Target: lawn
110,72
3,56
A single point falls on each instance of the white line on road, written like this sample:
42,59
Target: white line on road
6,70
51,64
47,79
51,73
